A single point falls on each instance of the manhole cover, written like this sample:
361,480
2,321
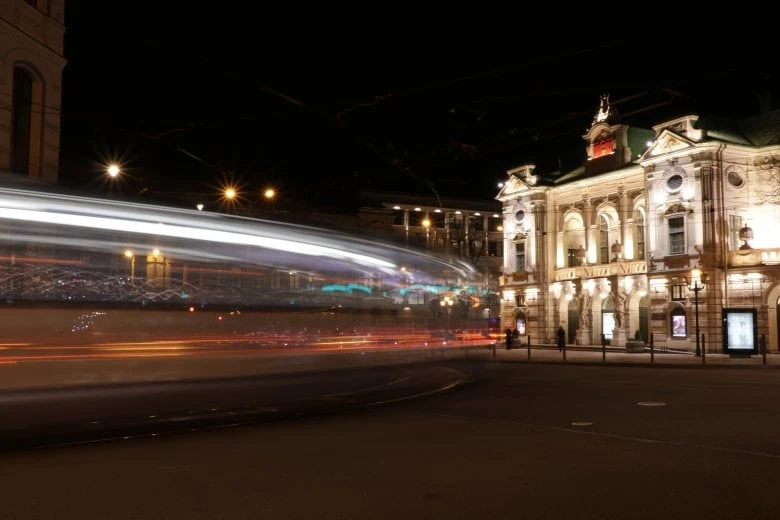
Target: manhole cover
582,423
651,403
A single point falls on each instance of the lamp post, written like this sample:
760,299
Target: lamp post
129,254
698,282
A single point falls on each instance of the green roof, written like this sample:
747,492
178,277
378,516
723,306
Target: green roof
760,130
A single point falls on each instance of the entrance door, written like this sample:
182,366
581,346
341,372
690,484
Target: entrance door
574,321
644,320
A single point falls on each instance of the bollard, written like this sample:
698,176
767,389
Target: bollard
529,347
763,348
603,348
703,350
652,349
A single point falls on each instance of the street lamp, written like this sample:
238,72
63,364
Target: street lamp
113,171
269,193
698,282
230,193
129,254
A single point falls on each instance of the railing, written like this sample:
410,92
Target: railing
754,257
601,270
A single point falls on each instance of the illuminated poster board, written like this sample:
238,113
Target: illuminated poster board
740,333
521,324
679,324
607,324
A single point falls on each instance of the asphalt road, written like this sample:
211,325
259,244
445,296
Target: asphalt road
522,441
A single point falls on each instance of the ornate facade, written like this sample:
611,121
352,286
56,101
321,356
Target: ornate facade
31,63
611,247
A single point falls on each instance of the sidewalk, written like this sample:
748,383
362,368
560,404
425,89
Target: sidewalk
593,355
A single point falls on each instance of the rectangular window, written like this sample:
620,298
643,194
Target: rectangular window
520,256
678,292
495,248
398,218
735,224
677,236
604,246
640,241
571,256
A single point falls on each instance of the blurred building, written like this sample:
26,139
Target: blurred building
31,63
615,246
467,230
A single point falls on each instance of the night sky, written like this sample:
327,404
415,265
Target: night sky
323,104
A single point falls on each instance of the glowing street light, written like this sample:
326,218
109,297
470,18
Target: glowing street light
426,223
130,255
156,253
230,193
269,193
113,171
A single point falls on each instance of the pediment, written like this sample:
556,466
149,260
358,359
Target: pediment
667,142
512,187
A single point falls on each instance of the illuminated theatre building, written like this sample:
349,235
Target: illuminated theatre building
614,247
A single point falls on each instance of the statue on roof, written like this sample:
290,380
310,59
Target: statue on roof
604,110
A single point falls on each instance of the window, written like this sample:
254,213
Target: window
679,323
603,241
495,248
735,179
640,236
520,256
571,257
677,235
678,292
21,121
602,148
398,217
735,224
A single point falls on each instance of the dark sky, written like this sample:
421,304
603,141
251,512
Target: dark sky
322,104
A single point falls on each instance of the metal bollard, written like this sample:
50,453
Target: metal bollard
703,350
652,349
763,348
529,347
603,348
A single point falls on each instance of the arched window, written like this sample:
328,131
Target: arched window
639,219
603,240
679,323
21,122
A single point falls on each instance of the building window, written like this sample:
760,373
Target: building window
603,241
398,217
495,248
735,224
602,148
640,236
679,323
676,235
520,256
679,291
571,258
21,121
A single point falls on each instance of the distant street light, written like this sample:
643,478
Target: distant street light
426,223
269,193
156,253
113,171
129,254
230,193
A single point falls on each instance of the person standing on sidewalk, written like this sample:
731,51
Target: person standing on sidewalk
561,334
508,333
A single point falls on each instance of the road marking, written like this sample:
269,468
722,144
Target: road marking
651,403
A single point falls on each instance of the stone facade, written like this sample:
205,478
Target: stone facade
611,247
31,63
